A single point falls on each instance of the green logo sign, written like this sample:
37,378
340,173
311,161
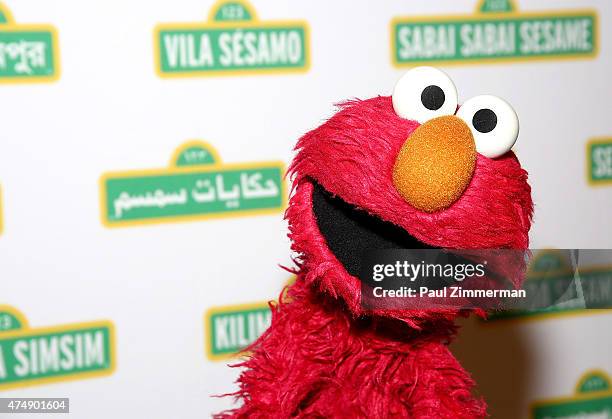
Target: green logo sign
233,41
28,53
505,34
599,161
493,6
233,328
551,278
196,186
593,399
31,356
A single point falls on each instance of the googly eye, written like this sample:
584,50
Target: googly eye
424,93
494,124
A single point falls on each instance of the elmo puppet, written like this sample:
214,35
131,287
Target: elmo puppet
414,171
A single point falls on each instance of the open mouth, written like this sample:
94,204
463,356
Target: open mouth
350,231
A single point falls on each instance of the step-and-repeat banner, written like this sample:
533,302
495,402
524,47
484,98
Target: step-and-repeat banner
143,147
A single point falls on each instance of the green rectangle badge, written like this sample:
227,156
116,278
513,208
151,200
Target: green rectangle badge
42,355
191,192
489,37
28,52
233,41
599,161
197,185
199,50
231,329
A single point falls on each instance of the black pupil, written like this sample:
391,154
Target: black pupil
432,97
484,120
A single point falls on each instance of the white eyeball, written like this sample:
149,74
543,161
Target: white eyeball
424,93
494,124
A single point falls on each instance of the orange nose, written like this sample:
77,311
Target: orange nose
435,164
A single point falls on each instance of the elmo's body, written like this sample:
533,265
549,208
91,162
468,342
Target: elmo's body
369,178
317,361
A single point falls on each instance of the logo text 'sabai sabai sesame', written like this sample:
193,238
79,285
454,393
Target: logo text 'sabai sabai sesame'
28,52
497,31
31,356
233,41
195,186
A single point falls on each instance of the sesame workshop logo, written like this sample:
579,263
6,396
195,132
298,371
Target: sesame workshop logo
30,356
195,186
28,53
599,161
230,329
497,31
592,399
233,41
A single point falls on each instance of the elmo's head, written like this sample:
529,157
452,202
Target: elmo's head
409,171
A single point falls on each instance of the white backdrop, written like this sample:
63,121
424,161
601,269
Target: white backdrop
110,111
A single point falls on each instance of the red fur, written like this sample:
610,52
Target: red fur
323,356
317,361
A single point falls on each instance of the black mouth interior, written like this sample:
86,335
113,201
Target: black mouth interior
350,231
